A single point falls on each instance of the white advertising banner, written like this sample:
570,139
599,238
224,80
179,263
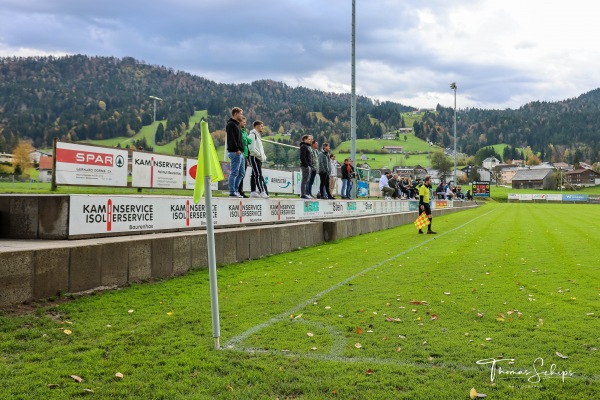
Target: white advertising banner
513,196
78,164
525,197
103,214
315,187
153,170
277,181
190,177
540,196
554,197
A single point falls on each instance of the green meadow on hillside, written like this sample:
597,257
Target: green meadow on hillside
147,132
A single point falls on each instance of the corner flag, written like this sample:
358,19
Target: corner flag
208,163
422,221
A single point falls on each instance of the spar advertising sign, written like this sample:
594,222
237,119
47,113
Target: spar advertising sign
156,171
78,164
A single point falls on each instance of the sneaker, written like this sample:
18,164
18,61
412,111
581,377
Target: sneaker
236,194
420,232
243,195
254,195
305,197
431,233
264,195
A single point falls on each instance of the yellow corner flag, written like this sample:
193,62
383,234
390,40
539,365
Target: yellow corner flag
208,163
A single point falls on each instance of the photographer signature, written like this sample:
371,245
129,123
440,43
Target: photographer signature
533,375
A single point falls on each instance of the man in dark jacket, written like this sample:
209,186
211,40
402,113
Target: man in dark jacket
324,172
306,163
235,151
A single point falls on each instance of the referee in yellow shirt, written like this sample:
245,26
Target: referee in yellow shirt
424,199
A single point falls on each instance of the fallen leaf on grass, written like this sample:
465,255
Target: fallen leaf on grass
88,390
119,375
434,317
313,348
489,339
398,349
473,394
369,371
130,311
358,345
447,293
359,331
390,319
499,319
298,316
480,315
53,385
67,332
310,334
561,356
76,378
423,302
170,313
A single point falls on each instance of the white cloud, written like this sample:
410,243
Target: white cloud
502,54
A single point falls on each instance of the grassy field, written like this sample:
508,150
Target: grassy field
407,316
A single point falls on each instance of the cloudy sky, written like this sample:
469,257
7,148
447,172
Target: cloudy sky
501,54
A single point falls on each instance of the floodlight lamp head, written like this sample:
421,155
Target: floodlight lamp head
155,98
453,86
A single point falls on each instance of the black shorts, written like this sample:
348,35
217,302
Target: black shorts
427,209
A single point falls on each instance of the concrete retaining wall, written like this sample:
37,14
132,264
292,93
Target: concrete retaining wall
41,269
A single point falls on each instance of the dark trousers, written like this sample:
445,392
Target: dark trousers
311,180
256,180
324,185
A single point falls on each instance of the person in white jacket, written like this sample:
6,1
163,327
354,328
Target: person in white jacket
257,157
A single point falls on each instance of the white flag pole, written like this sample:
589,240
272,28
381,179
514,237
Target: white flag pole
212,259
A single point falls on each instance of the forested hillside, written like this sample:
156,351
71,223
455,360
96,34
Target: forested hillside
80,97
559,131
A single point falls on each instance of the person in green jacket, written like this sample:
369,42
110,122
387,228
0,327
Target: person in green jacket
246,141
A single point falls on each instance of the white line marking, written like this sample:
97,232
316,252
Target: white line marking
233,342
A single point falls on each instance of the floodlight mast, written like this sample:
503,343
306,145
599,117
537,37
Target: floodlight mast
154,120
454,87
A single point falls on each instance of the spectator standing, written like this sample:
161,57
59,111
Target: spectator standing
424,203
305,164
314,169
256,158
324,172
347,175
247,142
333,173
235,151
